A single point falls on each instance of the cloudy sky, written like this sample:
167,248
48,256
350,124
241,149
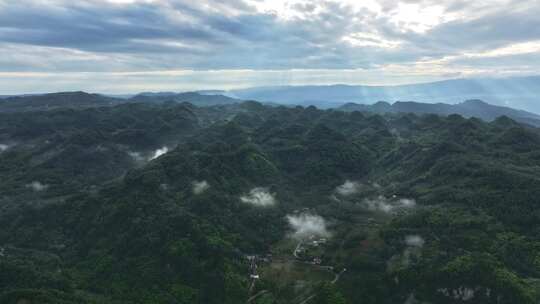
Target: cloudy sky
123,46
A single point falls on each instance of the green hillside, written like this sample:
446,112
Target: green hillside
336,207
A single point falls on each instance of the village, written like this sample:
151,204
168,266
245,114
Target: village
307,251
307,254
310,251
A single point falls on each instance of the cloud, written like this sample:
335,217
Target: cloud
348,188
414,241
383,204
37,186
146,157
200,187
137,156
159,152
306,42
306,225
259,197
3,147
413,250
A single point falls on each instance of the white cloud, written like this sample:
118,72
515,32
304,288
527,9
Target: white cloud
130,1
137,156
406,203
146,45
348,188
414,241
383,204
371,40
37,186
419,18
529,47
259,197
306,225
159,152
200,187
3,147
303,9
140,157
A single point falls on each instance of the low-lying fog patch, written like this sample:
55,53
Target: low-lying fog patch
414,241
37,186
306,225
137,156
348,188
140,157
159,152
462,293
386,205
259,197
102,148
200,187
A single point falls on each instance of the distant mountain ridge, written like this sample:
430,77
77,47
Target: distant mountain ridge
520,92
194,98
469,108
55,100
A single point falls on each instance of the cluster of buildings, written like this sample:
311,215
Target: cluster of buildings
254,261
305,251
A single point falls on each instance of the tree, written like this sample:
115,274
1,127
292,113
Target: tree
329,294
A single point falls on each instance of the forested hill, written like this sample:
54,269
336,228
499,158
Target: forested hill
470,108
191,97
82,100
55,101
173,203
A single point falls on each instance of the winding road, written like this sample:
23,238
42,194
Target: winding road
295,252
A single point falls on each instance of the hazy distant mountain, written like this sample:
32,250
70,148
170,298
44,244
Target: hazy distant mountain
194,98
521,93
55,100
212,92
470,108
155,94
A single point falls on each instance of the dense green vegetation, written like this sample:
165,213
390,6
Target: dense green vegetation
85,220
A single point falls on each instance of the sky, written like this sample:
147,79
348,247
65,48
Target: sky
128,46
